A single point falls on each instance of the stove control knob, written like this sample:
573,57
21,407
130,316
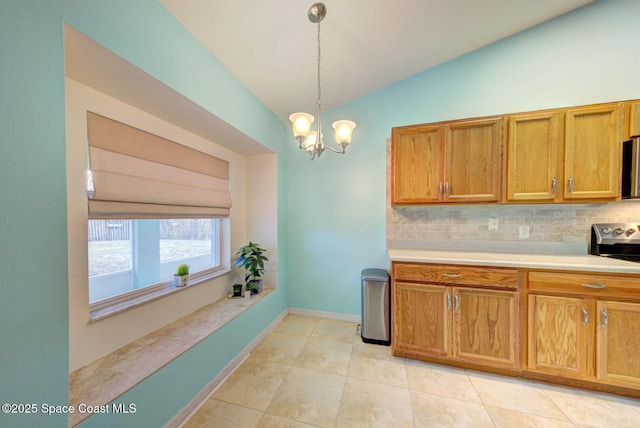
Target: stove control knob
606,230
630,231
619,231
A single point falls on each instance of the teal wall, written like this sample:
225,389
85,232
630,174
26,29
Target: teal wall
33,220
336,205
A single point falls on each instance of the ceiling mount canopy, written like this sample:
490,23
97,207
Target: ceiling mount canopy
309,140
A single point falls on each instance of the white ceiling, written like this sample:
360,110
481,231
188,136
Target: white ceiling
270,45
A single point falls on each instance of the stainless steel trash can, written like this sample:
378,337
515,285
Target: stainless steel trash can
376,317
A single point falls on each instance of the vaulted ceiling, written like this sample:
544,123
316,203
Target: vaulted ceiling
270,45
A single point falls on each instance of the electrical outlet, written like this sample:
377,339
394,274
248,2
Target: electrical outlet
523,232
494,224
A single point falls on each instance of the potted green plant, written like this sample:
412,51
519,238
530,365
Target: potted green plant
251,257
181,276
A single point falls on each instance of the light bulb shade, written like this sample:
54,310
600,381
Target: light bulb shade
343,129
311,140
301,123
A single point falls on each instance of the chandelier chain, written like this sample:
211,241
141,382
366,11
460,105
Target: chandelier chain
319,87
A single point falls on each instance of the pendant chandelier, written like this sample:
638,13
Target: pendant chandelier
309,140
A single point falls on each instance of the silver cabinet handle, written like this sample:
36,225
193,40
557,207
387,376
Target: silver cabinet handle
585,316
448,301
456,302
605,317
446,188
440,189
451,275
554,185
596,286
570,189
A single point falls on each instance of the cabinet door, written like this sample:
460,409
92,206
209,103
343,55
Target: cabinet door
634,120
421,320
618,343
558,332
416,164
534,144
592,152
472,160
485,327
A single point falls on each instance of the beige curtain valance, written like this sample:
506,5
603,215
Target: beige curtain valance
136,174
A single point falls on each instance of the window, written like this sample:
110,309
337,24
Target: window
153,204
133,258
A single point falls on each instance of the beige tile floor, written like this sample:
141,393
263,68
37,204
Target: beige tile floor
312,372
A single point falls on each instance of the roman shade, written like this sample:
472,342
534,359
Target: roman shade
136,174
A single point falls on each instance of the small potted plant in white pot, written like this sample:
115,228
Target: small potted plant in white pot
251,257
181,277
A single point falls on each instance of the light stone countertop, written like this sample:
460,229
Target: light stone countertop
585,262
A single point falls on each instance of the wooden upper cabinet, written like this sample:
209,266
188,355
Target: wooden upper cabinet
533,156
633,130
592,152
416,164
472,160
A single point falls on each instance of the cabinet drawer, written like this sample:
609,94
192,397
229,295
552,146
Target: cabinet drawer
592,284
457,275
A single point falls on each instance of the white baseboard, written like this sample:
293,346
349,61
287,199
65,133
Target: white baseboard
196,402
322,314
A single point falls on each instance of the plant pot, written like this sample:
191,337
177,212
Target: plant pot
237,290
180,280
255,286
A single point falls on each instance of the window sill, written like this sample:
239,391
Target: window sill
105,311
103,381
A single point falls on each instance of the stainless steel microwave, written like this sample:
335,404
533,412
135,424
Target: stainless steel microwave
630,169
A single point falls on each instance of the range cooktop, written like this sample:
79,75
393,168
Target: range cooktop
616,240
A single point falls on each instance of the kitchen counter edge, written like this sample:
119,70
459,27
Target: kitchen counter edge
587,262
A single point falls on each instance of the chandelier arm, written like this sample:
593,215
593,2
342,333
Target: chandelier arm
336,151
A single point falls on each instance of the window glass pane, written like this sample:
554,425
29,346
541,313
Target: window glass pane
127,255
109,258
186,239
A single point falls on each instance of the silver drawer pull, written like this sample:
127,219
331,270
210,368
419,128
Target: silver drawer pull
440,188
596,286
585,316
448,301
605,317
554,185
456,302
570,189
451,275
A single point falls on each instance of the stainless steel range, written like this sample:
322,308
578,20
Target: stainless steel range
616,240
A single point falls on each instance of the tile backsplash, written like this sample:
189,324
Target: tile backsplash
564,228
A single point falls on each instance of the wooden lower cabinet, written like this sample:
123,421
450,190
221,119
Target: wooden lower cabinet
558,331
579,328
463,324
421,319
585,327
485,327
618,343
